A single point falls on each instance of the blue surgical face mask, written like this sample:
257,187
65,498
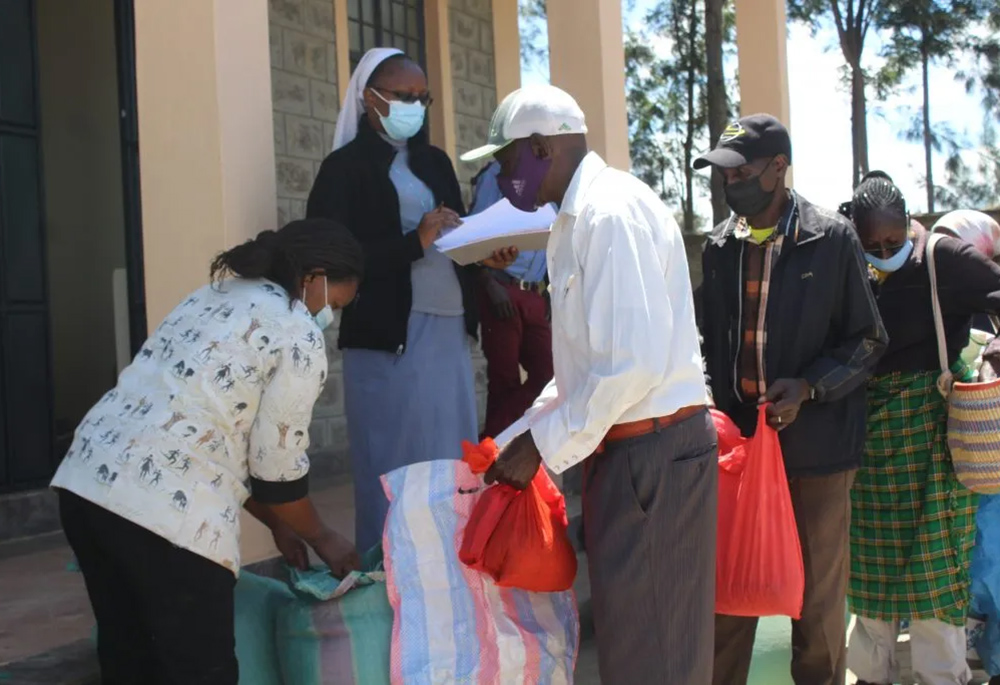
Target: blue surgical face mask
895,262
405,118
325,317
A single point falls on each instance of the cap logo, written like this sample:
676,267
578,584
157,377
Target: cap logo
733,131
565,127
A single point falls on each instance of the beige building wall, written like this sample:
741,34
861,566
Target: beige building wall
474,89
207,155
304,94
473,79
305,98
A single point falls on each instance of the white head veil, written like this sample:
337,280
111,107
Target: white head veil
354,106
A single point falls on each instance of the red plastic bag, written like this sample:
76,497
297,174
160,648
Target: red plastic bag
759,569
518,538
732,459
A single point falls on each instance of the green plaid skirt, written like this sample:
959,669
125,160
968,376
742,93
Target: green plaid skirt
913,524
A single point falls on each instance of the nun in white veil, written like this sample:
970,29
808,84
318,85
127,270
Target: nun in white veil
354,101
408,380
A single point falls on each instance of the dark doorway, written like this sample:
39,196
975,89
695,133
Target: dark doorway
26,456
71,298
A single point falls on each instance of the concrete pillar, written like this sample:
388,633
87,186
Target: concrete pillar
506,47
761,41
207,148
587,60
762,46
342,45
438,45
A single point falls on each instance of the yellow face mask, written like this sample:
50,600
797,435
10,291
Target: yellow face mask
759,235
878,274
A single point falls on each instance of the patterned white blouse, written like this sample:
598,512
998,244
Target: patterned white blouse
216,405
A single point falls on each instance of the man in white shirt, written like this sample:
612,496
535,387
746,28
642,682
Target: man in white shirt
628,395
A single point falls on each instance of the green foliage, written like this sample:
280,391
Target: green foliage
533,30
974,185
666,92
927,30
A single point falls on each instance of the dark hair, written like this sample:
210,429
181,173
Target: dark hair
876,173
876,193
386,65
288,255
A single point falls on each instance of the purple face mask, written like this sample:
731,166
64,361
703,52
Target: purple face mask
521,187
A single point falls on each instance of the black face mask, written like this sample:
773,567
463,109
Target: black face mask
748,198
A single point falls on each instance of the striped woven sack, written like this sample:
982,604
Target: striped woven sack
452,623
973,410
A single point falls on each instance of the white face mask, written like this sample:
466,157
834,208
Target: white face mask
325,317
405,119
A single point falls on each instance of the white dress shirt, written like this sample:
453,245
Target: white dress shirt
624,339
216,404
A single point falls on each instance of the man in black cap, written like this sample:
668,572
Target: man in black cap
789,319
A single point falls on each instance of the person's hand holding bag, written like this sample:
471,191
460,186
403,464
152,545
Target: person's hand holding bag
517,463
784,399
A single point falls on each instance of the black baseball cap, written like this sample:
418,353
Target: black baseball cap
759,136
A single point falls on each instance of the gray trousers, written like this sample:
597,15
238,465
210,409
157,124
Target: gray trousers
650,521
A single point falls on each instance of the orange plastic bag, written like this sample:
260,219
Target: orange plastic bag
759,569
518,538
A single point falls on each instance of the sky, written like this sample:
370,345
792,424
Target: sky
821,123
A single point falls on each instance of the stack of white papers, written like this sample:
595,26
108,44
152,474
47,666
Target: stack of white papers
498,227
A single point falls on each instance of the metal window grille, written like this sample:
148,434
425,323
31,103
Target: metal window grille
386,23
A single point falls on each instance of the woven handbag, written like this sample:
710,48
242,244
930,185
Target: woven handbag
973,410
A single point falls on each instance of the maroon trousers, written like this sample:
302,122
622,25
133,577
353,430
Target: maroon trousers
523,340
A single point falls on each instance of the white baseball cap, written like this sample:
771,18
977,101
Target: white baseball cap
542,109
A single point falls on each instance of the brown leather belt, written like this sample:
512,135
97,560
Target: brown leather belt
528,286
634,429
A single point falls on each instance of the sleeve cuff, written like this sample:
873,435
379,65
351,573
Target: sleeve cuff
557,458
272,492
816,389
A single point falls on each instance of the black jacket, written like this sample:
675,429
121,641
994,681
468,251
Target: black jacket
822,324
353,188
968,284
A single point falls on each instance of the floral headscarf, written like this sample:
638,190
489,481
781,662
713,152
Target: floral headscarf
975,228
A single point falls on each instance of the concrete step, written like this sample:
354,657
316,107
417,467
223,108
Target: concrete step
72,664
27,514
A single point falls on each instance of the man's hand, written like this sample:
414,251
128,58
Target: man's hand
517,464
501,259
503,308
785,396
291,546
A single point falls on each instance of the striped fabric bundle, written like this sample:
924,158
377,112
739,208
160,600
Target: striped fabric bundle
453,624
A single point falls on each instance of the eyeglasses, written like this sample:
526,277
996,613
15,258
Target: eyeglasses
890,250
424,98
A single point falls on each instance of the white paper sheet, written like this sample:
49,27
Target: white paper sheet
498,227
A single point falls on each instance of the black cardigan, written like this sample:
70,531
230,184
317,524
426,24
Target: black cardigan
968,284
353,188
